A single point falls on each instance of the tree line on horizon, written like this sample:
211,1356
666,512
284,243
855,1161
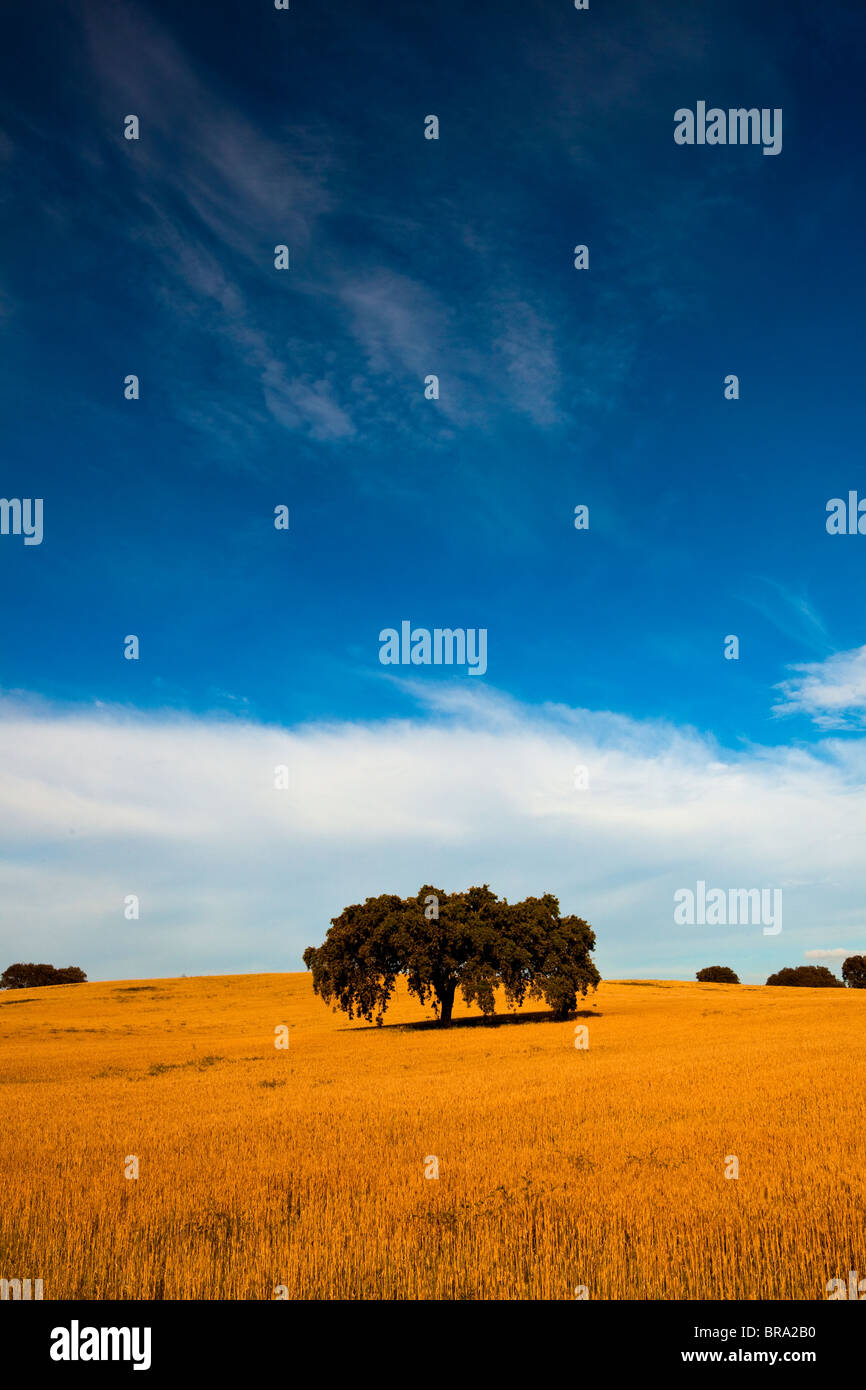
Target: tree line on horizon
473,941
808,976
31,976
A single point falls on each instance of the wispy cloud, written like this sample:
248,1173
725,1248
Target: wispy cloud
790,612
215,195
832,693
209,192
526,344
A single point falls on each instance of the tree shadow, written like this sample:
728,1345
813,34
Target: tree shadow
476,1021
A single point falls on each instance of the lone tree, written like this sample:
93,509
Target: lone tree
32,976
810,976
854,972
717,975
441,942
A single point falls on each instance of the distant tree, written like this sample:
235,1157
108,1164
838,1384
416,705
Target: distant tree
69,975
441,942
810,976
717,975
854,972
29,976
32,976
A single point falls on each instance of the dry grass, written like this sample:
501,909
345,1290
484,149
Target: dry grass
305,1168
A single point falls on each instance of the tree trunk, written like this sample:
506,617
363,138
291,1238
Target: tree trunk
446,1003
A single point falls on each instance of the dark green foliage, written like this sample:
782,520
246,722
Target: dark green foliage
32,976
810,976
854,972
717,975
442,942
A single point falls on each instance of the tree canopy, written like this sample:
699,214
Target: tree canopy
717,975
441,942
854,972
31,976
810,976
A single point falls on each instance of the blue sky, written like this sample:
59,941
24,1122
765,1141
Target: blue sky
306,387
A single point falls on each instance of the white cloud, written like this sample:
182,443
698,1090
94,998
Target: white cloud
835,953
832,692
235,875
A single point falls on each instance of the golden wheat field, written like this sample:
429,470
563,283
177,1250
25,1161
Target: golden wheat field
267,1172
